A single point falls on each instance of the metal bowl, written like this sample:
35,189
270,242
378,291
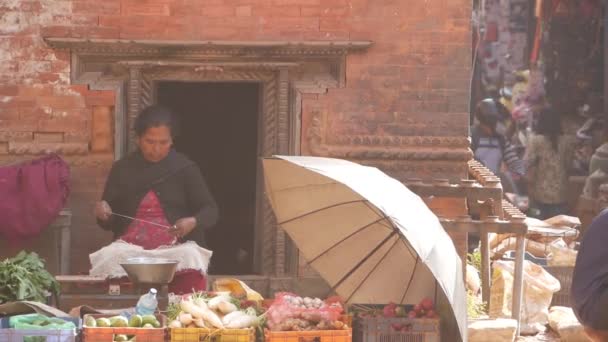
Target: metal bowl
150,270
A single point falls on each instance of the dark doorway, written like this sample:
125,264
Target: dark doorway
219,131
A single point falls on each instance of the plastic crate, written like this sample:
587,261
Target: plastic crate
102,334
378,329
214,335
564,275
309,336
8,334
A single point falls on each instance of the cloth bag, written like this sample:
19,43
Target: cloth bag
539,287
31,196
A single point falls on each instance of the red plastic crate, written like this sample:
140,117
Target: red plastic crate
345,335
99,334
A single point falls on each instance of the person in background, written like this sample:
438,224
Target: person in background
548,160
589,290
160,188
489,141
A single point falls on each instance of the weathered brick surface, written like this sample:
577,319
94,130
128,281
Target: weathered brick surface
413,81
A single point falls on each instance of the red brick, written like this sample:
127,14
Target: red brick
110,21
182,28
19,125
335,11
16,136
48,77
95,32
30,6
185,8
219,33
243,11
96,7
35,90
218,11
61,102
310,11
8,90
277,11
134,8
102,129
334,24
334,35
100,98
55,31
296,2
83,89
81,136
293,24
48,137
3,148
72,123
8,113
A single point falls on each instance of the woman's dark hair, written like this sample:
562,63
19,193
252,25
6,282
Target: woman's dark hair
154,116
549,125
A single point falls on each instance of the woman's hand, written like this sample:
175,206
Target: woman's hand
103,210
183,226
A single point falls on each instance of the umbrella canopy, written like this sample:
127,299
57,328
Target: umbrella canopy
368,236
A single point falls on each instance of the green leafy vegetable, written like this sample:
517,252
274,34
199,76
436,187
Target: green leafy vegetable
25,278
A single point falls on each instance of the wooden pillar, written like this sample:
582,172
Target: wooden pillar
605,66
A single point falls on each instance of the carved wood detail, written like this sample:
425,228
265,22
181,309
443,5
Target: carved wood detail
133,104
274,136
184,49
421,148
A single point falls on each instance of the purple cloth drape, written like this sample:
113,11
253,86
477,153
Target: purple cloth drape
31,196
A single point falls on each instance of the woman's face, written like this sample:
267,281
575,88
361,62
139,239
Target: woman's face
155,143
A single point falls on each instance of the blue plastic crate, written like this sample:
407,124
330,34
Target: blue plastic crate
39,335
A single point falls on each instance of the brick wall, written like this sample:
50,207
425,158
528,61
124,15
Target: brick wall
413,81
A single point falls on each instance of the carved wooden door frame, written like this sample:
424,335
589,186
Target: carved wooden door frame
273,132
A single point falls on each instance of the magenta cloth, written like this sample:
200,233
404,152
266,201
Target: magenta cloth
147,235
150,236
31,196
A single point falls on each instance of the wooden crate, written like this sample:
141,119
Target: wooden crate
378,329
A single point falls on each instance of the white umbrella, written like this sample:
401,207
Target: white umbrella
368,236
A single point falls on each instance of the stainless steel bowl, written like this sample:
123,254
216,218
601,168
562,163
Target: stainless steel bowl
150,270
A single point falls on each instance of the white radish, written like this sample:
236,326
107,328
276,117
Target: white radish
185,318
226,320
200,302
211,318
215,301
226,307
194,310
175,324
244,321
200,323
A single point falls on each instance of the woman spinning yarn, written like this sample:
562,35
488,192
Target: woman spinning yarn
163,190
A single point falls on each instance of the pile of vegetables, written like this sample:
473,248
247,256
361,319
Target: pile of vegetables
293,313
134,321
221,311
25,278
